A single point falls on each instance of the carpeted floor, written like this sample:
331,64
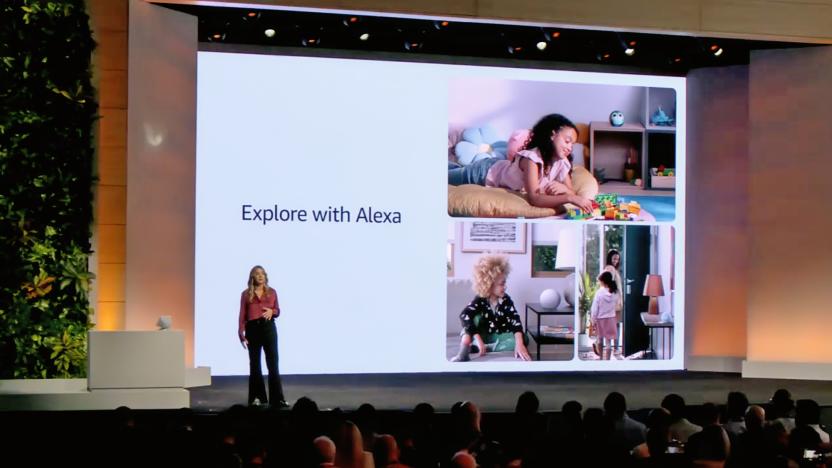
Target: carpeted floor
662,208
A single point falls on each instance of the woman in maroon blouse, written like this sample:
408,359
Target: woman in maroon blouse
258,309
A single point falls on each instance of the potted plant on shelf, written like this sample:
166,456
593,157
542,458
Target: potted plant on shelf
631,165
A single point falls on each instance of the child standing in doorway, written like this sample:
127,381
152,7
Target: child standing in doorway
602,313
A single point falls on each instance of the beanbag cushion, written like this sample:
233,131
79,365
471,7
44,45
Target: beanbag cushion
491,202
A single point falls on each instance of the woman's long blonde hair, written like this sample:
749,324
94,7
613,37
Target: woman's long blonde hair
251,286
486,271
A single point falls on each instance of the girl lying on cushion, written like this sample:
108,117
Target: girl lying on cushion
542,169
492,311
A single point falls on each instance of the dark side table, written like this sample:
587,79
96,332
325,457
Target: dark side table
538,310
667,334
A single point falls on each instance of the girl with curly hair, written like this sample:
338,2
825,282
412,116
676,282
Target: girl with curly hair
491,311
542,168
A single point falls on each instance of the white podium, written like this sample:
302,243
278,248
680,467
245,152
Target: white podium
136,359
138,369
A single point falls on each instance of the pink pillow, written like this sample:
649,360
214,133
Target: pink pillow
517,141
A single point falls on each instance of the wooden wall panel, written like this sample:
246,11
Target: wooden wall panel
717,205
791,20
112,90
110,282
108,19
112,166
680,15
111,205
809,21
790,253
111,243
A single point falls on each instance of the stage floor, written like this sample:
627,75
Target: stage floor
498,392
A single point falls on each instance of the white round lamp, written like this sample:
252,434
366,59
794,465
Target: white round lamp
549,298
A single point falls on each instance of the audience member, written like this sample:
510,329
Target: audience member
324,452
386,452
711,443
781,408
807,413
747,452
735,414
680,428
626,431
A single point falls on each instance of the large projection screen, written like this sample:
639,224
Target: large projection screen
333,175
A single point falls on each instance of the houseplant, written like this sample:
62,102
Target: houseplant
46,188
587,287
631,165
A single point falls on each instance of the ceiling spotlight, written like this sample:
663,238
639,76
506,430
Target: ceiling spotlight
350,21
412,46
716,50
555,34
216,37
628,47
269,32
603,56
364,37
252,14
310,41
677,60
514,50
441,24
542,45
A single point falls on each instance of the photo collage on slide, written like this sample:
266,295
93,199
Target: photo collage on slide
585,268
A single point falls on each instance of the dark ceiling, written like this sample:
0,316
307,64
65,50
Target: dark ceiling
669,54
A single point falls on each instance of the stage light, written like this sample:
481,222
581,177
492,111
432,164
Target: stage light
547,38
412,46
603,56
555,34
269,32
364,37
441,24
216,37
311,41
514,50
252,14
351,21
628,47
716,50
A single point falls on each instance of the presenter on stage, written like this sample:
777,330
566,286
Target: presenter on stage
258,311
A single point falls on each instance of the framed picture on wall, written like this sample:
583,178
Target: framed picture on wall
488,236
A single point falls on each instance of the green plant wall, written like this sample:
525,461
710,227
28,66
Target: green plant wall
46,182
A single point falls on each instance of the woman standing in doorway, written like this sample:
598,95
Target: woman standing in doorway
613,265
258,310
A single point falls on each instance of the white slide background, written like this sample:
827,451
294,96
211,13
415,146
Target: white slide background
312,133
